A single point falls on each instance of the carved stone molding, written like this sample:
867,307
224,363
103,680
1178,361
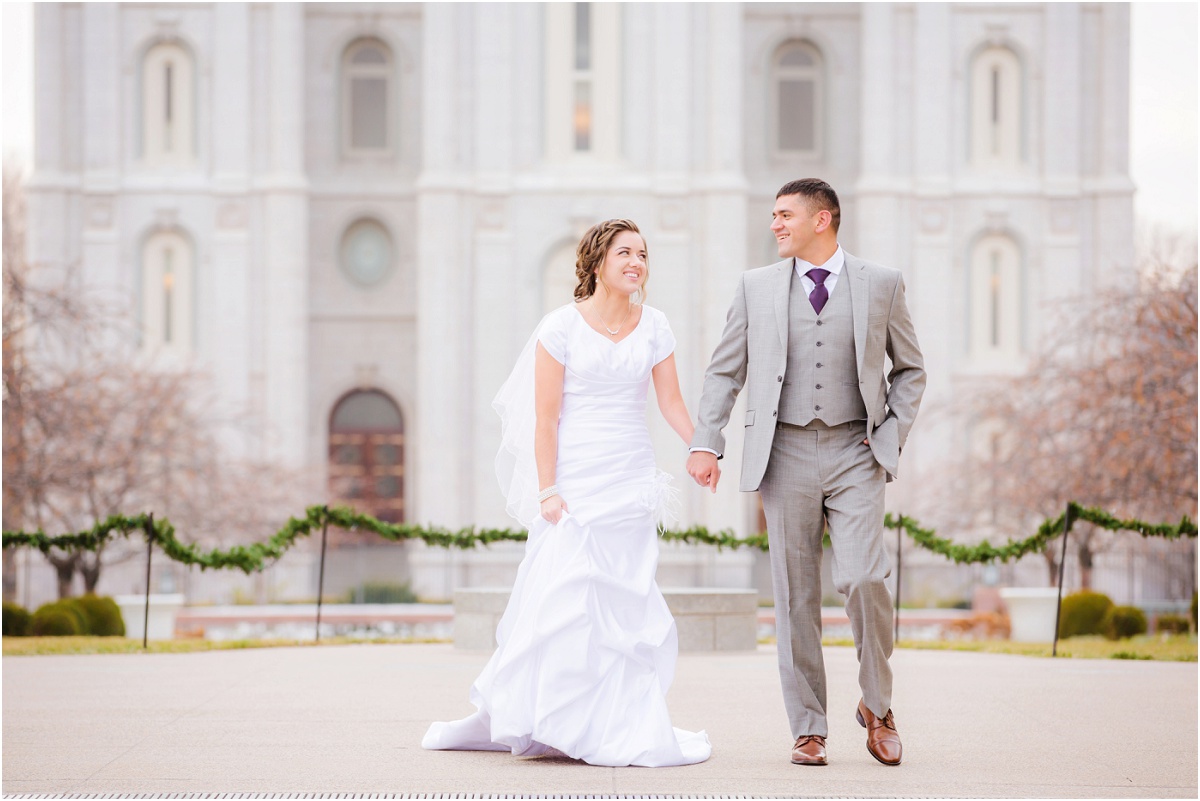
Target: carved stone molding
100,214
232,214
933,217
1064,218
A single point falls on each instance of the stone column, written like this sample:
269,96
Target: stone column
494,290
1114,196
721,258
932,254
285,332
101,157
226,338
444,247
876,208
1060,276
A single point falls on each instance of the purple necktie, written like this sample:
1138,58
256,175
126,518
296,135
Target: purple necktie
819,294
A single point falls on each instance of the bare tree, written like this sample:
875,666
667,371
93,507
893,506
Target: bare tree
1105,416
94,426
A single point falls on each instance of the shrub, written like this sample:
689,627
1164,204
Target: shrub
381,593
1195,626
68,607
54,620
1123,622
103,615
16,620
1172,624
1083,613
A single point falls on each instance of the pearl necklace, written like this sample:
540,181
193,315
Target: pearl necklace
610,331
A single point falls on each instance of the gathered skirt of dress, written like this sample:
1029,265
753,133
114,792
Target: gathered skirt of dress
586,647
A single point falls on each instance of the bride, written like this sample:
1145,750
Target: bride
586,648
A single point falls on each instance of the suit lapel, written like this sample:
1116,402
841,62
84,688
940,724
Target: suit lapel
782,286
860,288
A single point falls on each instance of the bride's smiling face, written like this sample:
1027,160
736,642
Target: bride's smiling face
624,270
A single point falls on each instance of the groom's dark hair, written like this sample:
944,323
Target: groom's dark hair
818,194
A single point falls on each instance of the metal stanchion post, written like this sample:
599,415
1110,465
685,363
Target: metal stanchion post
1067,521
149,554
321,575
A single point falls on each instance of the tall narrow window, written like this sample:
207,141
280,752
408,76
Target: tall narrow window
582,72
168,284
167,108
167,293
582,119
996,109
995,302
366,98
797,99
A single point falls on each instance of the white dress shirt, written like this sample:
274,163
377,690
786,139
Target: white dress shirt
834,265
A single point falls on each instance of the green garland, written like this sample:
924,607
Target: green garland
254,557
1048,530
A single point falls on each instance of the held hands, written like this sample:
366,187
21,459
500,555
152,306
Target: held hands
702,466
553,508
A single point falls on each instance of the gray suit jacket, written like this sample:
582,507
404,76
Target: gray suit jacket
753,352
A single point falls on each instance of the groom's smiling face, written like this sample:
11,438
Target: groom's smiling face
796,226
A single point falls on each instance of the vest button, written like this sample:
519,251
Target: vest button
818,386
778,378
819,344
818,408
819,364
820,322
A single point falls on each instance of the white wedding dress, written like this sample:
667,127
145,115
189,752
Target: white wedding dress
586,648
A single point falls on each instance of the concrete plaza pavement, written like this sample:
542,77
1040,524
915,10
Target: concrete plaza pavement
349,719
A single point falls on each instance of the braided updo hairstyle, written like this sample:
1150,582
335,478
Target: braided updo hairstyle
590,253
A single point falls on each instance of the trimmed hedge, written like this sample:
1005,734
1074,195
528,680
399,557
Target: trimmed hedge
55,620
1083,612
381,593
16,620
1172,624
1123,622
103,615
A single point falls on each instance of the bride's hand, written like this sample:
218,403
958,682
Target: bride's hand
553,508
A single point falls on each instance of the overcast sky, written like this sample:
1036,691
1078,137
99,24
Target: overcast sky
1163,138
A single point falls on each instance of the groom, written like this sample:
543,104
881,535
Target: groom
824,428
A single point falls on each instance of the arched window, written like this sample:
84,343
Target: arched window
366,253
366,455
996,104
558,278
797,99
167,293
995,304
167,105
366,97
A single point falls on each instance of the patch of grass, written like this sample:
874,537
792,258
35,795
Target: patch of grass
1163,647
34,646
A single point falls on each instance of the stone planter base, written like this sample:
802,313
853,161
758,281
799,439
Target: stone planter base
163,609
707,619
1031,611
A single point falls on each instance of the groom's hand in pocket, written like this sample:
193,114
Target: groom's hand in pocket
703,467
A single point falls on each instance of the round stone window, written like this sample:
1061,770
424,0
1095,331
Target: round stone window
366,255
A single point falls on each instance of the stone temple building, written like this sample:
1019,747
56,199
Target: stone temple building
354,214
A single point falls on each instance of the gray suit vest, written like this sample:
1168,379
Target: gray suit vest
821,381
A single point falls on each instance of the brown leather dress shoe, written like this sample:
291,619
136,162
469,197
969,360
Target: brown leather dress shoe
882,740
809,750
